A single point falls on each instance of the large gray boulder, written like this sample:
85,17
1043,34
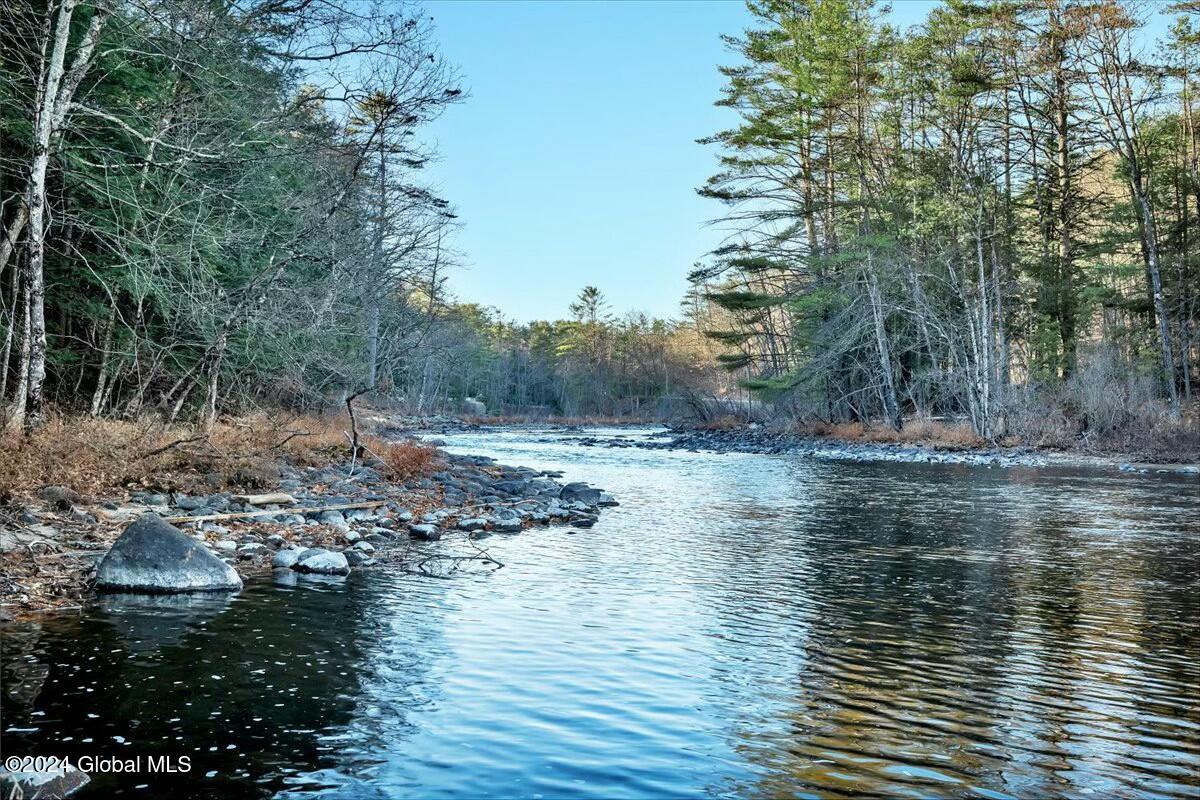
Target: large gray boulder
154,556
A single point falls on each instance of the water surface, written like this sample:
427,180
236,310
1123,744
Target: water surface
743,625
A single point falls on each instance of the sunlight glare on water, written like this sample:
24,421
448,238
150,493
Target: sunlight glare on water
742,625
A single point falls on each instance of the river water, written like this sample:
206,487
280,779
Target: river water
742,625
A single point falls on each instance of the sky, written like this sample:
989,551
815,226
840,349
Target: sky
573,161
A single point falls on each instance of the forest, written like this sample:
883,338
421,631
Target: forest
210,207
994,215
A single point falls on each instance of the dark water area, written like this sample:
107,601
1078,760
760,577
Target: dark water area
742,625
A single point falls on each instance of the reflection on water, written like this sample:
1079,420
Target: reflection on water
741,625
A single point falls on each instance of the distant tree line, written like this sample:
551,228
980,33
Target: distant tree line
995,208
204,204
591,364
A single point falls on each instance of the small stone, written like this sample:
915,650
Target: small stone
352,537
191,503
507,526
286,559
225,545
322,561
334,519
252,550
60,497
83,515
365,547
425,531
472,524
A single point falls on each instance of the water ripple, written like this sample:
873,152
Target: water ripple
741,626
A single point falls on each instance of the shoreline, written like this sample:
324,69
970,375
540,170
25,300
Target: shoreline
768,441
50,546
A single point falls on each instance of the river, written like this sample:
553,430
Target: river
742,625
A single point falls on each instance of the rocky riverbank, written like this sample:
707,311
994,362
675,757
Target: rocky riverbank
765,441
332,519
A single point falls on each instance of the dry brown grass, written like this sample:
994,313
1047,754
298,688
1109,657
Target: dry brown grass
96,456
722,423
933,433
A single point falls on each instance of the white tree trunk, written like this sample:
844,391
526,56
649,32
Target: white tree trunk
53,98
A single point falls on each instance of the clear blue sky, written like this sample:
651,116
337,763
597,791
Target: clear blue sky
574,160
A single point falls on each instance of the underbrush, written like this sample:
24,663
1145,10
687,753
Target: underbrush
929,432
94,456
1107,411
722,423
405,459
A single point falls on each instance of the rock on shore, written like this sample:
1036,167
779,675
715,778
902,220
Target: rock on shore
320,561
354,514
154,556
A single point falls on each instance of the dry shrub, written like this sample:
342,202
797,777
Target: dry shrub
950,435
850,431
722,423
1156,435
307,440
1039,418
846,431
1108,407
95,456
84,454
935,433
1108,393
404,459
